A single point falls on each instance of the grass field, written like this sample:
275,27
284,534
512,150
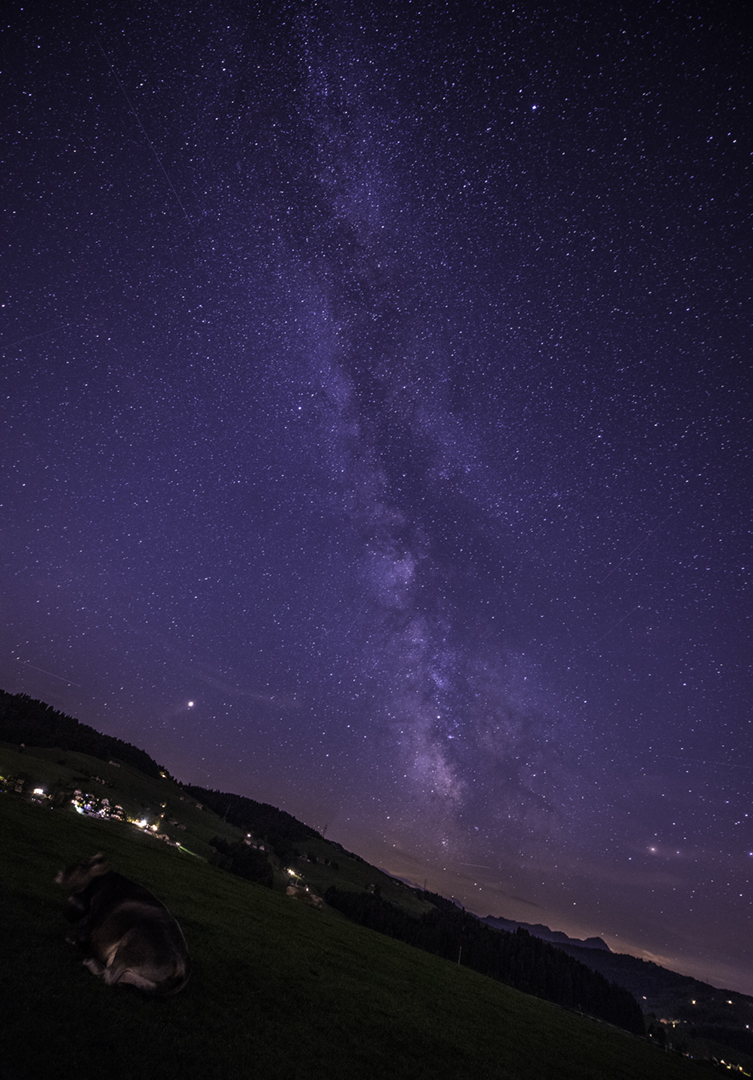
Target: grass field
160,799
279,990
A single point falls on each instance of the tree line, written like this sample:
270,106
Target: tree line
518,959
242,860
275,827
33,723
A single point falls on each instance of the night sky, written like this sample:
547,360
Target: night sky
376,428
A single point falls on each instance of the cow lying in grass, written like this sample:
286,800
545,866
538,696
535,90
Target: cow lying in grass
128,935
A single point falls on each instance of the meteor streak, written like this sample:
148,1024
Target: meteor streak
633,551
45,672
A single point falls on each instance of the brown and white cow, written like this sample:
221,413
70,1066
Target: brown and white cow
128,935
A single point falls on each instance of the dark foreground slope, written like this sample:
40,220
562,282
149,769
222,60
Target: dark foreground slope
519,959
279,990
421,919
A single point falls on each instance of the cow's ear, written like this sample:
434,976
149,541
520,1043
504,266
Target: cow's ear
97,866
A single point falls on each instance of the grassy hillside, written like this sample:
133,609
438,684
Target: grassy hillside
158,799
279,990
161,799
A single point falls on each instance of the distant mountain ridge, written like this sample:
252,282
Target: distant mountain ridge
426,920
721,1015
690,1005
556,937
668,993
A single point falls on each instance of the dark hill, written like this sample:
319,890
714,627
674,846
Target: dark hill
435,924
556,937
518,959
277,827
279,990
667,993
23,720
566,974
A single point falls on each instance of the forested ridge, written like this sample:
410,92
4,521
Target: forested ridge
277,827
518,959
24,720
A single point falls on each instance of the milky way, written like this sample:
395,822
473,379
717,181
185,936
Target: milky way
377,381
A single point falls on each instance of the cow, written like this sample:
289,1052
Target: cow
128,935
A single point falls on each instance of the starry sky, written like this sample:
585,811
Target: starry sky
376,428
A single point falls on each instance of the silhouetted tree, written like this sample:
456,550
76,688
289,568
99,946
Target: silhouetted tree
244,861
